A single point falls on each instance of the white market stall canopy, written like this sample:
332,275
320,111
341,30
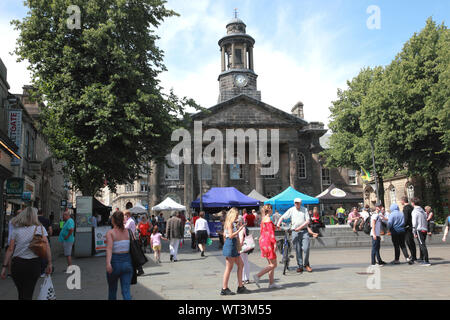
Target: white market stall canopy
256,195
138,208
168,204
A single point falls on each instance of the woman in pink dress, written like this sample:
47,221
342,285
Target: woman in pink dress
267,245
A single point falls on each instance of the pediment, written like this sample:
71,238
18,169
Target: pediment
246,111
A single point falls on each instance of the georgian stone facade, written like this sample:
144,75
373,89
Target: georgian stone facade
240,107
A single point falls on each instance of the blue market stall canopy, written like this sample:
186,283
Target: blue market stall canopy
285,199
225,198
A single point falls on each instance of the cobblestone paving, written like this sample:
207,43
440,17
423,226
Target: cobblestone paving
338,273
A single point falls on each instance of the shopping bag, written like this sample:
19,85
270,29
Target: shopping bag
47,290
249,243
208,242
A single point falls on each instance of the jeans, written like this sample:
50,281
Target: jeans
422,236
376,250
409,238
173,246
25,274
398,239
123,270
301,242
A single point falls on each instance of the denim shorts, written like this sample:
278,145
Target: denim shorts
230,248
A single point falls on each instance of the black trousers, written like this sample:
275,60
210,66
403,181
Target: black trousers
25,274
409,238
398,239
193,244
422,236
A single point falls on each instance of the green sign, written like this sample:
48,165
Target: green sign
14,186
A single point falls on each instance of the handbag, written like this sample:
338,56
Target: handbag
47,291
38,244
249,243
138,257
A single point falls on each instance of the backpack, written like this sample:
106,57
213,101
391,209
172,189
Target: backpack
367,227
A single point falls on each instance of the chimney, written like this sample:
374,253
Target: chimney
297,110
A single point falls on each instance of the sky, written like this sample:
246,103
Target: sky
305,49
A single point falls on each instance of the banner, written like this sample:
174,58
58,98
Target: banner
100,238
14,187
15,131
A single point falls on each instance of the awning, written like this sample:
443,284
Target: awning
285,199
225,198
168,205
256,195
333,195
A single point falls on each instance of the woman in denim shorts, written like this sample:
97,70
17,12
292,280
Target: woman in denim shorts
230,251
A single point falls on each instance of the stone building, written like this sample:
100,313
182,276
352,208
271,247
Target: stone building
42,174
399,186
240,106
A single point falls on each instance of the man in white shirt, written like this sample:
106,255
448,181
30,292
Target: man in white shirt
300,236
375,222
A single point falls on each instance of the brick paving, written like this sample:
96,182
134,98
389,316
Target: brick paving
338,273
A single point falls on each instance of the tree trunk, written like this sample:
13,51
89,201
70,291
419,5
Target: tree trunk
436,203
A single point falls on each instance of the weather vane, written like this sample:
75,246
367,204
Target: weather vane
235,12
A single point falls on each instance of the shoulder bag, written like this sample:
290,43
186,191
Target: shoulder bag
138,257
38,244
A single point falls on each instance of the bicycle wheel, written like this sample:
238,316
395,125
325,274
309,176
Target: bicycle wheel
285,259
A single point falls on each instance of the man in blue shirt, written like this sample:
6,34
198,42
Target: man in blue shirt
396,224
66,236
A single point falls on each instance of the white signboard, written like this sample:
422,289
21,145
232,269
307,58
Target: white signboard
15,131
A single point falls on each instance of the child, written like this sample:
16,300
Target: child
155,242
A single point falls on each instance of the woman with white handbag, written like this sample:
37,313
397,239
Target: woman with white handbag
247,247
28,244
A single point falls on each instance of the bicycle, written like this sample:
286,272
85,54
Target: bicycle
284,246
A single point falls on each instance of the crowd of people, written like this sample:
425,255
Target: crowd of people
405,227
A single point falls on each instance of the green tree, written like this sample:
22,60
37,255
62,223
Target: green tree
409,108
105,115
349,144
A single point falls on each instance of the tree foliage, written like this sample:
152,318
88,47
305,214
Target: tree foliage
404,108
105,115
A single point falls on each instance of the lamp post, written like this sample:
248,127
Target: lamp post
375,172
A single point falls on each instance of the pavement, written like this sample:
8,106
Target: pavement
338,273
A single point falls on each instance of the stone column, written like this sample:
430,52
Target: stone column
154,185
284,167
223,58
292,168
250,59
224,172
232,56
244,56
259,179
188,186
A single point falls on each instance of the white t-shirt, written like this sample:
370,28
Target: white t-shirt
364,214
22,237
130,224
298,217
377,228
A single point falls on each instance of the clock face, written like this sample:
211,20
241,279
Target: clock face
241,80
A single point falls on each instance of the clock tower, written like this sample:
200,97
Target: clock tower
237,76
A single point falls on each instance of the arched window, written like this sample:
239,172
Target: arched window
410,192
171,171
301,165
236,169
392,195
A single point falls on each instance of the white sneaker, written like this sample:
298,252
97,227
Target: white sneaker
256,279
274,286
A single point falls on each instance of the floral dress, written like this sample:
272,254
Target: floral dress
267,240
